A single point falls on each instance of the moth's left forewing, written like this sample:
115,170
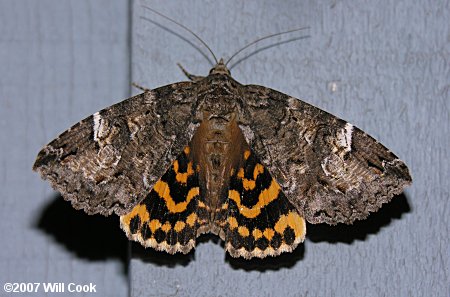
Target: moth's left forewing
109,161
329,169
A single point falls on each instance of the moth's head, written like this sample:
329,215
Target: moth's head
220,68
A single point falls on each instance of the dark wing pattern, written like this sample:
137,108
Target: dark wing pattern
110,161
330,170
256,219
170,216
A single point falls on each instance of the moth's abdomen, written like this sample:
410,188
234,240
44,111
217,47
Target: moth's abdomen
214,145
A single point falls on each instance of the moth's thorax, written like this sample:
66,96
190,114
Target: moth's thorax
218,96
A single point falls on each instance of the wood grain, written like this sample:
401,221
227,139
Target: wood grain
60,61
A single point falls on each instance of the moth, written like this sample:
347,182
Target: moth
245,162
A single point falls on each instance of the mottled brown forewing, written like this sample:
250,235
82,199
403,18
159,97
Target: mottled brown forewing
109,161
329,169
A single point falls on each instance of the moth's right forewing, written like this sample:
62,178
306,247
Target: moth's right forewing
329,169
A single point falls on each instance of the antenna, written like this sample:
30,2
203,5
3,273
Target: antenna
263,38
185,28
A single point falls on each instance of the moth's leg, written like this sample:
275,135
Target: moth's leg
191,77
140,87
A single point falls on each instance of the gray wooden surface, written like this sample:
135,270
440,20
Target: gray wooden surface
383,66
59,62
